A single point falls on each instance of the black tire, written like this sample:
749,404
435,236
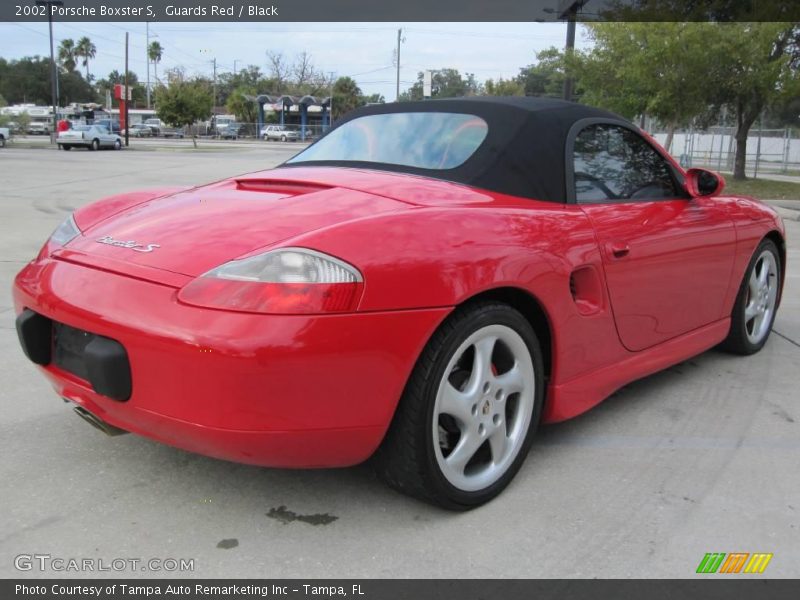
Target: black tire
283,138
738,341
406,459
117,145
2,141
66,147
95,145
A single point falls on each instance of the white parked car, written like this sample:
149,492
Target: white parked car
93,137
278,132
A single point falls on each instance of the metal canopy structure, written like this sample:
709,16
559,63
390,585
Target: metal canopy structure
284,102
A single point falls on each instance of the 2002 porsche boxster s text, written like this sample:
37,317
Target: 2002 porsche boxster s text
427,284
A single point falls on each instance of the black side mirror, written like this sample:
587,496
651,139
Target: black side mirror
702,183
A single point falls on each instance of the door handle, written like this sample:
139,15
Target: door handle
618,249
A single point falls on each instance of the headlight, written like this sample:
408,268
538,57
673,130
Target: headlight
66,232
284,281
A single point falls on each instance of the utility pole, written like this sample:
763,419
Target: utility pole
568,9
214,61
125,94
330,108
53,72
399,39
147,58
235,60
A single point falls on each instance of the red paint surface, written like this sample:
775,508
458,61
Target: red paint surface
657,283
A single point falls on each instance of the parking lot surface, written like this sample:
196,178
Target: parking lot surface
700,458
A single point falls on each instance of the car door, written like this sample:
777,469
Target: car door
667,256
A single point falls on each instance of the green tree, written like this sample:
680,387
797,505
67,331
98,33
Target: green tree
67,55
445,83
373,99
759,69
637,69
503,87
546,76
346,96
86,51
183,103
242,104
155,52
679,72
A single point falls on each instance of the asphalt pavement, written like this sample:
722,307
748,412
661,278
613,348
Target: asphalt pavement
702,457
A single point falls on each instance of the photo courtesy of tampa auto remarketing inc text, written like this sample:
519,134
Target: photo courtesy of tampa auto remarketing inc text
438,300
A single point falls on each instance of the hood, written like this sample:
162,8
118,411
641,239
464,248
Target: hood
194,231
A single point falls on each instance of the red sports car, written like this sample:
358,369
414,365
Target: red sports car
424,285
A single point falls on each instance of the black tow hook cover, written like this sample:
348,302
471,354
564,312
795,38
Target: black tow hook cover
35,333
108,368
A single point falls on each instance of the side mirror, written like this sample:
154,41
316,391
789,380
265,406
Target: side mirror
702,183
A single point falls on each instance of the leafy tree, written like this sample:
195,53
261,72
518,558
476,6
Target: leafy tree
67,55
638,68
72,87
546,76
374,99
759,68
183,102
445,83
242,104
503,87
154,53
679,72
86,51
346,96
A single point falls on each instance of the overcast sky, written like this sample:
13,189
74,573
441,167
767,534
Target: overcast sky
363,51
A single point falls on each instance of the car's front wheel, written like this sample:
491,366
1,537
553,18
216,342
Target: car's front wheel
757,301
117,145
466,419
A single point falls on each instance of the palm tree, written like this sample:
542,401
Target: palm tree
66,54
86,50
154,52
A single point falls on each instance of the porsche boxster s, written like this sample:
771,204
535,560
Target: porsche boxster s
424,285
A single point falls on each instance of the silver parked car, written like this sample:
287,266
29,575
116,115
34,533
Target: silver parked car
139,130
278,132
93,137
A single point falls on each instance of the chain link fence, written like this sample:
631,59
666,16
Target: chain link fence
253,131
775,151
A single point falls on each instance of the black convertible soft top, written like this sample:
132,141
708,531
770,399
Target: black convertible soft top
523,153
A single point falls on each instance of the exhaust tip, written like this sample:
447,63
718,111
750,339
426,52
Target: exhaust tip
97,422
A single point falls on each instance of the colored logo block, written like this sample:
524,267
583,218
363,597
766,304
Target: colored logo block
735,562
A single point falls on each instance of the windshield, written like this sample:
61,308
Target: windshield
425,140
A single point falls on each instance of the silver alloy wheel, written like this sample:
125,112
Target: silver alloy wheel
483,407
762,294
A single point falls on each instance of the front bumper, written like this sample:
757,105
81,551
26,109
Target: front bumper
272,390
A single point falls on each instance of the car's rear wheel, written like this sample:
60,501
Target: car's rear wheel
283,138
66,147
95,145
466,419
757,301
